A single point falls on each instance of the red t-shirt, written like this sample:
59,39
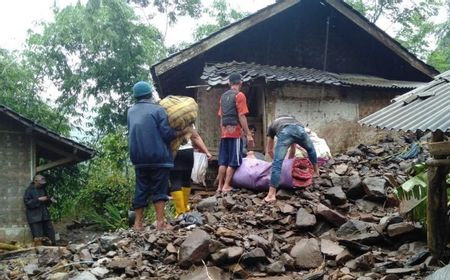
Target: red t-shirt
235,131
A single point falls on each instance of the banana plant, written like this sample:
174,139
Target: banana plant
413,194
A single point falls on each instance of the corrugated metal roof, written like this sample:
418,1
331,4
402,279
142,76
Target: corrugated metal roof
217,74
426,108
84,152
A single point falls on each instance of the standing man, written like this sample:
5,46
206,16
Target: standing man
232,111
36,202
149,136
289,132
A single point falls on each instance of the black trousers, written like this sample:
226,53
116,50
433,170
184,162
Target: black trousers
43,229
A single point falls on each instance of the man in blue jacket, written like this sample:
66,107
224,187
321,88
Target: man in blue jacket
149,137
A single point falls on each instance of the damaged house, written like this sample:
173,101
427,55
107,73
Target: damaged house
318,60
27,148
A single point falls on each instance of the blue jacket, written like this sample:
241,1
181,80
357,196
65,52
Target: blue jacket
149,135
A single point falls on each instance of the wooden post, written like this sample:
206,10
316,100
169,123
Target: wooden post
437,220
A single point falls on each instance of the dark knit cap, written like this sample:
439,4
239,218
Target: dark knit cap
235,78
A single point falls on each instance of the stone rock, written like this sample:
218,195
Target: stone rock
207,204
211,219
365,262
275,268
288,261
403,270
330,235
336,195
194,248
171,248
304,219
272,278
390,277
107,242
284,194
227,233
58,276
353,152
85,275
121,263
375,187
307,253
227,255
228,202
234,253
330,248
254,256
203,273
100,272
260,241
355,188
287,209
367,206
341,169
400,229
31,268
330,215
358,231
344,257
85,255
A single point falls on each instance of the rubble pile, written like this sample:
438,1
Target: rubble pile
345,226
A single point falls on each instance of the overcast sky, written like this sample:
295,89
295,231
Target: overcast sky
17,16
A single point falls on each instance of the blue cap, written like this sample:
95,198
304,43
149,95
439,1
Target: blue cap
142,88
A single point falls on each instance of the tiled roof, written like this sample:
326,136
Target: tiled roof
217,74
426,108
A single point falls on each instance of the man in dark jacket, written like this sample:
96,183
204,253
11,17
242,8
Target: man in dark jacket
36,201
149,137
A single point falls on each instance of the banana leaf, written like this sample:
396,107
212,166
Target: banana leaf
413,196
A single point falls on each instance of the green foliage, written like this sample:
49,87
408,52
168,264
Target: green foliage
64,184
108,178
111,219
18,91
413,19
413,194
222,14
174,8
96,52
440,58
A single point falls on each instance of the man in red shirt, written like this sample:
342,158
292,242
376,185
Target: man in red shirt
232,111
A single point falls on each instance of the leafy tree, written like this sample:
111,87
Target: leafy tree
95,52
173,8
440,57
222,14
18,91
413,18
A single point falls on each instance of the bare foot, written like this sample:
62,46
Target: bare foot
219,190
270,198
227,189
138,228
163,226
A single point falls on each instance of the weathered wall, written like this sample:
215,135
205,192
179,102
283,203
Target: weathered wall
332,112
208,122
15,175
